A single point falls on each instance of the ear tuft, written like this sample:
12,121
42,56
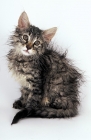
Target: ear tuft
23,21
49,34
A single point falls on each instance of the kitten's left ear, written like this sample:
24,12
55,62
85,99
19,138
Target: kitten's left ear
23,21
49,34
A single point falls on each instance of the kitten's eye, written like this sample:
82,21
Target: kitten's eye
25,37
37,43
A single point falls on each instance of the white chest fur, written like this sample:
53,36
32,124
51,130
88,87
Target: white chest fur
21,78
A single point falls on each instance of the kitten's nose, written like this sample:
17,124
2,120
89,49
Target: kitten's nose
28,46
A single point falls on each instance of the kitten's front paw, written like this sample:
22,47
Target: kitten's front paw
17,104
45,101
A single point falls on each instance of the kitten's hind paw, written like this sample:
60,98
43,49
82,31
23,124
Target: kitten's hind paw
17,104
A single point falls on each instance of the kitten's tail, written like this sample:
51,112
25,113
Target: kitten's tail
45,113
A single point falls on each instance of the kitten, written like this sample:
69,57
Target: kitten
49,83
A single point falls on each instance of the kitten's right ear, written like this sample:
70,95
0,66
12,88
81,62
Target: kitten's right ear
23,21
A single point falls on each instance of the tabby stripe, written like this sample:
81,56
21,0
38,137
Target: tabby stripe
33,81
29,73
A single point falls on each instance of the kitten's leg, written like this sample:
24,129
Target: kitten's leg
32,104
21,102
18,104
33,100
35,95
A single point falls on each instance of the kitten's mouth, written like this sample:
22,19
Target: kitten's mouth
26,51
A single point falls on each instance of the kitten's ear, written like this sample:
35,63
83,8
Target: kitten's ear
49,34
23,21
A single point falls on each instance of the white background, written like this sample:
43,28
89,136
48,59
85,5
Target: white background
73,19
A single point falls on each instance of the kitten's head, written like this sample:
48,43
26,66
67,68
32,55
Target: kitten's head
30,40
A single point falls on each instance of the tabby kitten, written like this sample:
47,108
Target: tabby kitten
49,83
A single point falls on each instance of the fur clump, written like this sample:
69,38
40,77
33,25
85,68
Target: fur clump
49,81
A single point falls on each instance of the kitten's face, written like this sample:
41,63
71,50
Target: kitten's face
29,40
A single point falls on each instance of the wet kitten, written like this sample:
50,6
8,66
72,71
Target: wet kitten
49,83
